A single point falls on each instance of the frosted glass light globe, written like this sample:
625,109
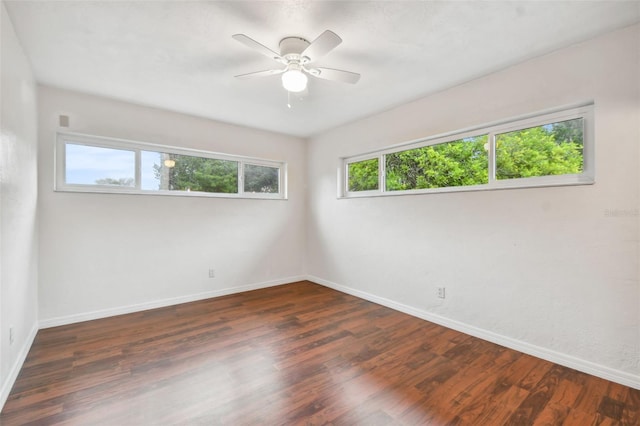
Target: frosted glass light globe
294,80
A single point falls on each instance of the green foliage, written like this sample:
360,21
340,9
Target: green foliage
567,131
554,149
540,151
199,174
458,163
118,182
363,175
261,179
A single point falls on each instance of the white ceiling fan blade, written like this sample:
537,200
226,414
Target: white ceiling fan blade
326,42
335,75
254,45
261,73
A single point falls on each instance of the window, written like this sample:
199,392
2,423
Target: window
88,165
551,149
93,164
261,179
161,171
363,175
543,150
460,162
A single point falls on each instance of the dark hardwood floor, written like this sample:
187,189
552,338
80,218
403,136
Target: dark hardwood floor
296,354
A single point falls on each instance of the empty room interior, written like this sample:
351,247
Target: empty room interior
320,212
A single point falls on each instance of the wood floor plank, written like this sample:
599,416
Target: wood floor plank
297,354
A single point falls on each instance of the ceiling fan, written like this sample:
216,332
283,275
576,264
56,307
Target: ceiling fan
296,54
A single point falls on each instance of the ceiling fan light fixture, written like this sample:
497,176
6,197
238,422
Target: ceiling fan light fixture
294,80
295,54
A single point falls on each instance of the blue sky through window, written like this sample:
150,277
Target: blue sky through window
148,177
87,165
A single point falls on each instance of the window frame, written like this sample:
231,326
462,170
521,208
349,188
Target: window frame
587,177
64,138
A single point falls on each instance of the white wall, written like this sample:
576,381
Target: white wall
545,270
101,254
18,196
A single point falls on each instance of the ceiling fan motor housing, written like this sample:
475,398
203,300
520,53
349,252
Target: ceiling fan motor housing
292,47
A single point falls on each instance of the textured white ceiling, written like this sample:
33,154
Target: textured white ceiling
179,55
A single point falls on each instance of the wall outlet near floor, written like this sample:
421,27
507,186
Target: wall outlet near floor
11,335
441,293
212,273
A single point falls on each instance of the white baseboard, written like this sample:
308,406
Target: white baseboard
622,377
15,368
103,313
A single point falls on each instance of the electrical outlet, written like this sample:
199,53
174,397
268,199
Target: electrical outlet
441,293
212,273
11,336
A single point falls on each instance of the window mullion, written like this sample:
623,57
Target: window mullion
382,174
240,178
491,152
138,171
347,176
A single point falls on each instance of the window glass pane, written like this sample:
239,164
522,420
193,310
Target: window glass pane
457,163
552,149
261,179
363,175
92,165
149,163
175,172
